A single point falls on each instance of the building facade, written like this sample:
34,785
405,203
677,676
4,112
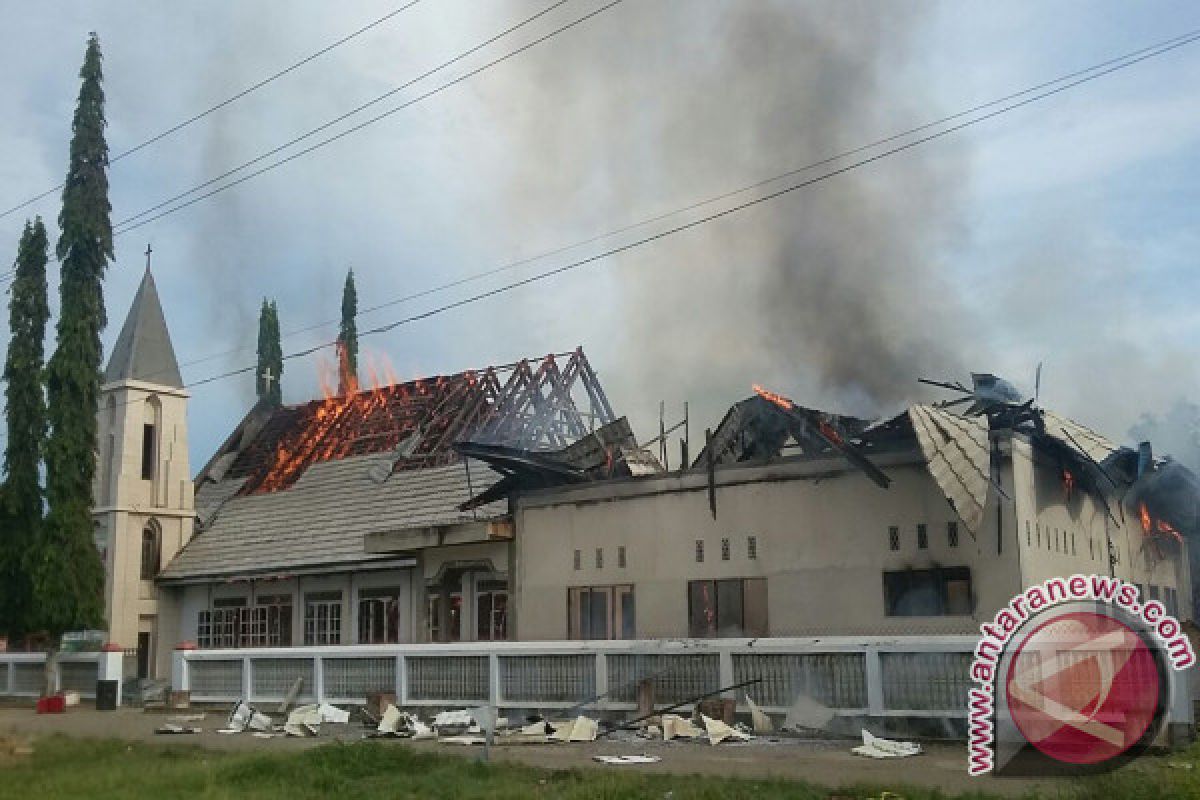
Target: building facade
143,497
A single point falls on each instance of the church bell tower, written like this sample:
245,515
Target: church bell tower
143,510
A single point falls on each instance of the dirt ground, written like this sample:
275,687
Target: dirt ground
828,763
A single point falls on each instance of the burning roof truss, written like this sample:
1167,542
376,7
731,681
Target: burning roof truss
545,404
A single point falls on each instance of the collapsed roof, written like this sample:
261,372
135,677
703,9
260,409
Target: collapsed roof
301,485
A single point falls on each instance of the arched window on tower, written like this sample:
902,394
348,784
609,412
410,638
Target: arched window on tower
150,426
151,550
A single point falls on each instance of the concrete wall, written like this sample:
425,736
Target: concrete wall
822,544
125,504
1060,536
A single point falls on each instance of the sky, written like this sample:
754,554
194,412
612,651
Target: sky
1060,233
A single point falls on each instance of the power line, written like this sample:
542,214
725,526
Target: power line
722,213
229,100
715,198
1113,65
132,223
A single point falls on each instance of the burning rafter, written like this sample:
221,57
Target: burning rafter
419,421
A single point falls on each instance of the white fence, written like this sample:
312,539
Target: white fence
911,678
878,677
24,674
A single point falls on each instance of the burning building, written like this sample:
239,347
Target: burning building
337,521
794,521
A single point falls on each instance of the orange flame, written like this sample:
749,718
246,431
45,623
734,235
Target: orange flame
777,399
339,421
1068,480
1151,526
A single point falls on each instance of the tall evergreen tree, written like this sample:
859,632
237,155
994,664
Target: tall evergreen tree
21,508
275,361
270,356
348,337
64,565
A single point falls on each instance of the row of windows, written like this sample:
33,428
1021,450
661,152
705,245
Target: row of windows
1060,541
727,549
232,622
737,607
923,536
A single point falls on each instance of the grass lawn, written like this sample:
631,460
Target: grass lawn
74,768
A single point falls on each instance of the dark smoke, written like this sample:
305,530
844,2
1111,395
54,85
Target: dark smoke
835,293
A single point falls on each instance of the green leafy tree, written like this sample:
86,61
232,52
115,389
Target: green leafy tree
64,565
21,505
270,355
347,341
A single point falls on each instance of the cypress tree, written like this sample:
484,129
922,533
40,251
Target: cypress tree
270,356
275,361
21,509
64,566
347,340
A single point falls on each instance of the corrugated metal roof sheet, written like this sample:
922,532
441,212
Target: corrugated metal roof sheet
323,518
1096,446
956,448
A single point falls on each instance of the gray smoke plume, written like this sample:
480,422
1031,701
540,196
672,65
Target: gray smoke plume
834,293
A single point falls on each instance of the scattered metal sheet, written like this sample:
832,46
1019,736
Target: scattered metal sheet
674,726
619,760
290,697
878,747
172,728
580,729
956,449
761,722
719,732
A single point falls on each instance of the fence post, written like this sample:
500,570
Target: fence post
401,680
601,667
725,670
874,676
494,680
318,679
247,678
181,677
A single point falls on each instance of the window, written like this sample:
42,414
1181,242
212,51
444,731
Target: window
699,551
267,624
323,618
1028,535
621,556
922,537
148,454
1073,543
601,612
379,616
735,607
1091,548
1171,601
1039,535
599,558
724,549
578,559
952,534
893,538
1153,591
151,550
219,626
752,547
927,592
434,618
491,611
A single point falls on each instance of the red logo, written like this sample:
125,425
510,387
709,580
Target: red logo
1083,688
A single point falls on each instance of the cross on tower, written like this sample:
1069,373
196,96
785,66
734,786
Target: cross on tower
148,252
267,377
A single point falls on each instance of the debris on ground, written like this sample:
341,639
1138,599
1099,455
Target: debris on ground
761,722
580,729
878,747
291,695
718,731
173,728
675,726
642,759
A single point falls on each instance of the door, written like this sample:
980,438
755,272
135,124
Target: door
143,655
